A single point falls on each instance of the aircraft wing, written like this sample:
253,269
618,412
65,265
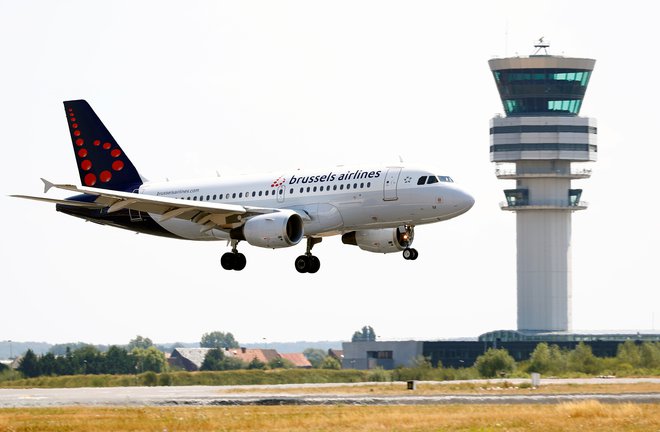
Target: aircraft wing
207,214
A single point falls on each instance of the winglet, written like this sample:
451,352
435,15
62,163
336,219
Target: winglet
47,185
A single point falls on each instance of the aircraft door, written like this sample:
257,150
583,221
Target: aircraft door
390,184
281,191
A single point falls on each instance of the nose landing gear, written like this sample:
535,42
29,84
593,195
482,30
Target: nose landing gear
410,254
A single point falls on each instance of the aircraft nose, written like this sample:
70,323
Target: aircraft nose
462,200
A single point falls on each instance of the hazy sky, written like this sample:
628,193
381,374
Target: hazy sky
188,88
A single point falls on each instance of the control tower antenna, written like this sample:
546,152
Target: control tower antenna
541,45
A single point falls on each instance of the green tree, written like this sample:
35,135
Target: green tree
582,359
139,342
280,363
216,360
540,359
29,365
255,363
118,361
315,356
149,359
330,363
48,364
213,360
628,353
495,362
218,339
649,354
367,334
87,360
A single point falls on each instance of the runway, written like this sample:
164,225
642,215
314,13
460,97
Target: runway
256,395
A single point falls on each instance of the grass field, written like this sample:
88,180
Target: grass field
589,415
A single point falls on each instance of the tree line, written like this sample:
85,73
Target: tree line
89,360
547,359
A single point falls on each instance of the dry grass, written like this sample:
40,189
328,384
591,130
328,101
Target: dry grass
445,388
589,415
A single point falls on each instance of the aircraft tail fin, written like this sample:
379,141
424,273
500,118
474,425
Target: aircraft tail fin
101,162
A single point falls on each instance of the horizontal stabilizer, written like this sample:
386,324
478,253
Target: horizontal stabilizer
47,185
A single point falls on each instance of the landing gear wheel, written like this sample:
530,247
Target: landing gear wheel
303,264
233,260
239,262
315,264
308,263
410,254
227,261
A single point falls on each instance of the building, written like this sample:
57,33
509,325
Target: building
463,353
298,360
536,143
386,355
191,359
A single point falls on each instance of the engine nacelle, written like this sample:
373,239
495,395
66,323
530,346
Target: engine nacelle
385,240
272,230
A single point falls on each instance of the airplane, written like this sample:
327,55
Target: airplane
373,207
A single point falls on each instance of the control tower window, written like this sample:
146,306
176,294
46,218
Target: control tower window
422,180
574,196
516,197
542,91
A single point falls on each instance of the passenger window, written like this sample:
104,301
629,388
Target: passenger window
314,190
302,190
260,193
188,198
254,193
281,191
291,191
321,188
220,197
354,185
308,189
368,184
361,185
432,179
421,180
341,187
233,195
208,197
194,198
334,187
214,197
348,186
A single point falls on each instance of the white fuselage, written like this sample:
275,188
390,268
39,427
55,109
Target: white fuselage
330,201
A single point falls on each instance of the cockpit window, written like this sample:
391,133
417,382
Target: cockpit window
446,179
421,180
432,179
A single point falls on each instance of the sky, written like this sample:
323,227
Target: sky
192,88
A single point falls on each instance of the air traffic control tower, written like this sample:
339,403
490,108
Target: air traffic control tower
536,144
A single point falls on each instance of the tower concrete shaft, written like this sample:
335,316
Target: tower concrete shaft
535,144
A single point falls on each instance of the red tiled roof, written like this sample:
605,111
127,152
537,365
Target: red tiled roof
298,359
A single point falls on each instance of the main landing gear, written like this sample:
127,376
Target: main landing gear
233,260
308,263
410,254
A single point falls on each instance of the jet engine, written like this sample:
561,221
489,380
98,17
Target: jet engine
272,230
385,240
